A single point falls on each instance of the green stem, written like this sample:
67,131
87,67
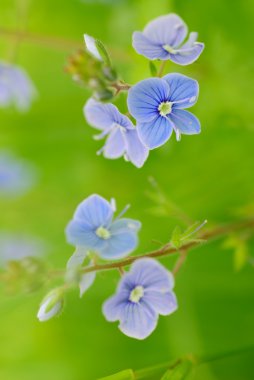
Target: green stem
161,69
169,250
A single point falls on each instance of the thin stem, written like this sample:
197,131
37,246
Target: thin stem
118,86
161,69
180,262
169,250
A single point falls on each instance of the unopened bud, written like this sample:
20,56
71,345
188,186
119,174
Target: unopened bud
51,305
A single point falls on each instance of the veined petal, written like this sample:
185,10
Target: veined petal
155,133
115,145
191,40
120,244
183,90
162,303
152,275
94,211
187,55
185,122
124,225
166,30
136,152
146,47
113,308
78,233
138,321
145,97
104,116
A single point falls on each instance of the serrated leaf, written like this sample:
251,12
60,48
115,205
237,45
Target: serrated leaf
180,372
127,374
153,69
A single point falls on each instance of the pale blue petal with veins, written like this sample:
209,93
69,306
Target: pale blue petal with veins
142,295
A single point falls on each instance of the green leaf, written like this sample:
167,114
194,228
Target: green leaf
180,372
153,69
127,374
241,251
176,237
103,52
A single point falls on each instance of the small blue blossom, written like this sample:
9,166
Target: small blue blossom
93,227
16,176
163,38
122,138
16,88
142,294
157,105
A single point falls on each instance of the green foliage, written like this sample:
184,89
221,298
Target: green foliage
180,371
153,69
127,374
240,248
179,238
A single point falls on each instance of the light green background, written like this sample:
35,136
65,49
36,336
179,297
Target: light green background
208,175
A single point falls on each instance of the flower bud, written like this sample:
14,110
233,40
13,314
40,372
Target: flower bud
51,305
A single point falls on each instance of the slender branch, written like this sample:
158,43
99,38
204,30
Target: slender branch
169,250
118,86
161,69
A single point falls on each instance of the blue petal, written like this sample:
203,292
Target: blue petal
79,233
146,47
115,145
185,122
113,308
77,258
162,303
138,321
86,281
136,152
155,133
119,245
166,30
153,276
186,56
183,90
104,116
94,211
125,225
145,97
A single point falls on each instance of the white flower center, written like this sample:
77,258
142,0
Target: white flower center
103,233
165,108
136,294
169,49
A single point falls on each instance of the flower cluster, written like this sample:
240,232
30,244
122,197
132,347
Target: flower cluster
143,293
156,107
156,104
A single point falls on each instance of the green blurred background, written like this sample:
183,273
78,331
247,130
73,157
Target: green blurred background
208,176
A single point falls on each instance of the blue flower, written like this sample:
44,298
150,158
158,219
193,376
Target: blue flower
16,176
143,293
157,105
93,227
122,138
163,38
16,88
